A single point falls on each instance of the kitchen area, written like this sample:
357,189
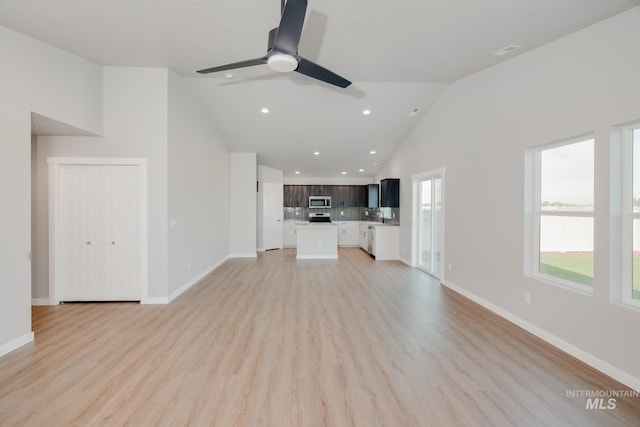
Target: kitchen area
319,219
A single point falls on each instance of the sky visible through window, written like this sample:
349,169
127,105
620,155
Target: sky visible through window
567,176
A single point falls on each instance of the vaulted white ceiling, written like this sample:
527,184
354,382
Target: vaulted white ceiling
399,55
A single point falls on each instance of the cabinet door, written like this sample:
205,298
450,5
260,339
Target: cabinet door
296,196
364,239
339,198
360,196
342,233
301,196
390,193
289,234
287,196
372,196
317,190
348,233
351,238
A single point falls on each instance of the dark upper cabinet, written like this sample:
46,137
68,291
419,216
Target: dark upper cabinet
360,196
371,195
296,196
349,196
339,198
390,193
342,196
320,190
287,197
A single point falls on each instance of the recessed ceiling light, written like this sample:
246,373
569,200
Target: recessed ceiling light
228,75
264,110
360,170
372,152
506,49
366,112
297,172
344,172
317,153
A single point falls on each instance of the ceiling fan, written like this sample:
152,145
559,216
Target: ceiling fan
282,49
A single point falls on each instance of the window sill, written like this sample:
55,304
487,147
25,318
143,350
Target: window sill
630,304
576,288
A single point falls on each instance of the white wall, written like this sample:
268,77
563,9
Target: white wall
135,125
329,180
39,78
265,175
243,204
479,130
198,185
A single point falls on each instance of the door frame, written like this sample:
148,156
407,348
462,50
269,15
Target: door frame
415,213
280,188
55,224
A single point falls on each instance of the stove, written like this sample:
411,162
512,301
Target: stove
320,217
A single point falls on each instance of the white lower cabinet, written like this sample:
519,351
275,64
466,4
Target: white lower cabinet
363,235
386,242
348,233
289,238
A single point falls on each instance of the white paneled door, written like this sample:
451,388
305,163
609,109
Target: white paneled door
100,231
272,211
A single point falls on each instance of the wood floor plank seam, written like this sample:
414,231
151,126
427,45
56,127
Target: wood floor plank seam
273,341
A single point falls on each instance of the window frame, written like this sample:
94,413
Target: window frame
628,215
538,213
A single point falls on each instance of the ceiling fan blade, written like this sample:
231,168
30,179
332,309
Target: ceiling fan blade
241,64
311,69
290,28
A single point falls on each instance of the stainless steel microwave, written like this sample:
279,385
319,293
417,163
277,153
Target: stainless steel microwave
319,201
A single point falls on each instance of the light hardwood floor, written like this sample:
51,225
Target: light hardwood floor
278,342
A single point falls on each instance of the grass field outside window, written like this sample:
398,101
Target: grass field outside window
572,266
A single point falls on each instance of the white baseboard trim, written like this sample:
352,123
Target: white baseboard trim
17,343
248,255
260,249
196,279
41,301
405,261
154,300
600,365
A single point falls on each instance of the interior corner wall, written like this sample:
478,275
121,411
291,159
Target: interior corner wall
271,176
135,126
243,204
198,190
479,130
37,78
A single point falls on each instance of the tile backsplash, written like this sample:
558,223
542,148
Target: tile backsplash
390,215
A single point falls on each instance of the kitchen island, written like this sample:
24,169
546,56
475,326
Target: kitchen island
317,241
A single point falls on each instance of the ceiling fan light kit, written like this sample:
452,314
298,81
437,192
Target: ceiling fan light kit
282,49
282,62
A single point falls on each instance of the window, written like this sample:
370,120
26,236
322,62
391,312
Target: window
563,220
631,258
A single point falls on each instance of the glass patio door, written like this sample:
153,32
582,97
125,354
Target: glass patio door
430,225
